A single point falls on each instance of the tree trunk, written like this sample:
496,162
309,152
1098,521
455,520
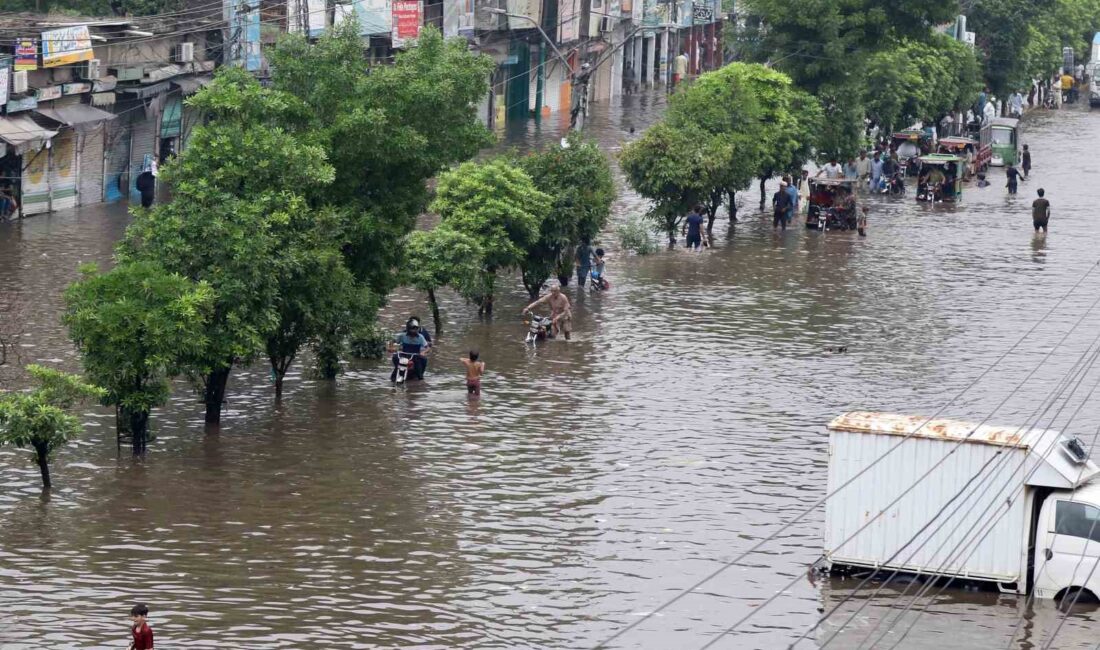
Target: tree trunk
733,207
487,305
763,196
434,304
42,455
139,429
214,394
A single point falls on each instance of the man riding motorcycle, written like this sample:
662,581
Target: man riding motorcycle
560,310
412,341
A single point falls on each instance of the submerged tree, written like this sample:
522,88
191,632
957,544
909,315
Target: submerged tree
443,257
578,179
131,325
497,205
39,419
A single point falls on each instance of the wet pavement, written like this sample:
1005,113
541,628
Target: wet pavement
596,478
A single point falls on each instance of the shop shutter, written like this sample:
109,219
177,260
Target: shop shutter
90,186
142,152
63,170
116,178
36,187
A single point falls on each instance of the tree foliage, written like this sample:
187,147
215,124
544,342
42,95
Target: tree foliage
497,204
40,418
237,206
443,257
578,179
132,324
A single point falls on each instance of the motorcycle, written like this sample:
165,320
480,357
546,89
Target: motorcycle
896,185
837,220
539,328
598,282
405,362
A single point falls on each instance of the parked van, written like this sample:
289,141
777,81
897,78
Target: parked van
1013,507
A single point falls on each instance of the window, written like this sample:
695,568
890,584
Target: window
1077,520
1002,136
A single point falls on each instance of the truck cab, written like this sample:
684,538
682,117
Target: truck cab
1067,544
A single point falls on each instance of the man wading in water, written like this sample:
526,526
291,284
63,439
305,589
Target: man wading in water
560,310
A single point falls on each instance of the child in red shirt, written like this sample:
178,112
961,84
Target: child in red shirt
143,634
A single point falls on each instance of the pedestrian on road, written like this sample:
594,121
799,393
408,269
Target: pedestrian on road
681,69
474,370
1016,105
693,228
804,191
146,184
584,262
863,168
832,169
876,172
1027,161
792,192
782,203
1040,212
1068,89
1056,91
1013,178
861,223
141,632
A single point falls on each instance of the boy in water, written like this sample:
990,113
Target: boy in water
474,370
598,264
143,634
861,222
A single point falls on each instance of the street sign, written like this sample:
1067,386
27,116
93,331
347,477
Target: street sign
702,13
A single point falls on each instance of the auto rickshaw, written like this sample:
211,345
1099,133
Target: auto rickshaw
910,145
1006,141
832,204
963,148
940,178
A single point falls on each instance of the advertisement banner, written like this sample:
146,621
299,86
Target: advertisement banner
26,54
654,14
5,79
66,46
48,93
458,18
406,22
374,16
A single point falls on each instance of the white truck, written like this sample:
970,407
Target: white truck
1004,505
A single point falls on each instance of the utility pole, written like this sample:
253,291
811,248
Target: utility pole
579,108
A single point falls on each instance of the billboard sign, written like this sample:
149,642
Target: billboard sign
5,79
66,46
26,54
406,22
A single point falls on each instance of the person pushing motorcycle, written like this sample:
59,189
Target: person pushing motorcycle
411,341
561,312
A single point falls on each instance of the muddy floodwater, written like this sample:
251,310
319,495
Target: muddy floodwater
595,479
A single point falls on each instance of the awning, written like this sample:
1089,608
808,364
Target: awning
78,116
191,85
23,133
141,92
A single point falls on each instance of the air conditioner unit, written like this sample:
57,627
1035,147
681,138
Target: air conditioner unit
19,82
91,72
185,53
607,24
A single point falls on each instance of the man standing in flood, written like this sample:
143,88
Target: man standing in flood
1040,212
561,312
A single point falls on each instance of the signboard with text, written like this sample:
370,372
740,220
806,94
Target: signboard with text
406,21
5,79
26,54
66,46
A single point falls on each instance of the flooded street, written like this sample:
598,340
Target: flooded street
597,478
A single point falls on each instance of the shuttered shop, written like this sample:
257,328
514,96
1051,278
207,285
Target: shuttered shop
116,175
90,186
63,170
143,139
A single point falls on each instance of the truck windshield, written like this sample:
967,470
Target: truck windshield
1002,136
1077,520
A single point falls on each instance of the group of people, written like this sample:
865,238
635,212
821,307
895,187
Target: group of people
871,173
9,205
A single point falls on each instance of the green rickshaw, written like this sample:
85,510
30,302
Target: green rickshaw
940,178
1006,141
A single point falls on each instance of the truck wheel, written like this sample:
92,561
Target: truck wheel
1074,595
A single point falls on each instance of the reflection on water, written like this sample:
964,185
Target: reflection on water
593,480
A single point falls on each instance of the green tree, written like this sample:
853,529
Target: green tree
578,178
495,203
236,202
1002,29
443,257
39,418
131,325
673,168
386,130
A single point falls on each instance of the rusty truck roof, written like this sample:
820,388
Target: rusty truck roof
923,427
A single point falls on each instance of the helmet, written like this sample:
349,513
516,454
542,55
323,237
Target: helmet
412,324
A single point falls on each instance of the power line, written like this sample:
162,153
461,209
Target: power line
829,495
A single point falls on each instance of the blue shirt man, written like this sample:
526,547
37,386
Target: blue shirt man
693,226
792,192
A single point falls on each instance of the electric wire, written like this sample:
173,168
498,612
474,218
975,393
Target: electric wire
864,527
803,513
1052,399
962,546
1036,415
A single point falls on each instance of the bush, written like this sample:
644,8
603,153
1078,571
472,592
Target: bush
369,343
636,237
